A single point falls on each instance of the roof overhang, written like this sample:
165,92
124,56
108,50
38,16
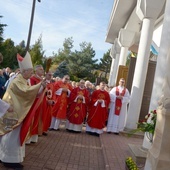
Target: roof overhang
124,15
121,12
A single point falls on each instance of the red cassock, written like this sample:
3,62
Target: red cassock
77,110
37,123
97,114
47,113
60,107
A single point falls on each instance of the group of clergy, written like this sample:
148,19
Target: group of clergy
36,104
78,105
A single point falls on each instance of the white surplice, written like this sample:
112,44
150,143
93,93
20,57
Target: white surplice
116,123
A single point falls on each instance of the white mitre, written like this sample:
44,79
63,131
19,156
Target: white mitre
24,63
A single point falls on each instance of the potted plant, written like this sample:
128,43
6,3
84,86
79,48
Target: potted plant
147,125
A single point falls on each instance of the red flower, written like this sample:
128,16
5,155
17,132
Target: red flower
154,111
140,121
148,124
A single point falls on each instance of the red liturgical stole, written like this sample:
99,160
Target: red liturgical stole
118,103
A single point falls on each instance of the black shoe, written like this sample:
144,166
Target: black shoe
96,134
109,132
50,129
13,165
93,134
76,131
45,134
69,130
88,132
56,129
116,133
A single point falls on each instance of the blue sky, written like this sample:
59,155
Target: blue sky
84,20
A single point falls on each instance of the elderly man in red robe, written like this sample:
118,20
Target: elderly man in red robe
77,110
98,111
36,127
62,90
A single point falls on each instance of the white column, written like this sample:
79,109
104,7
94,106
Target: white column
114,53
140,73
111,75
123,55
110,82
148,11
113,71
160,71
126,39
159,154
161,62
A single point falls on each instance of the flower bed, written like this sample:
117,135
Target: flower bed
130,164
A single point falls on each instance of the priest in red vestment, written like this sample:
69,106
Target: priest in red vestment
62,90
77,110
98,111
49,102
36,127
120,98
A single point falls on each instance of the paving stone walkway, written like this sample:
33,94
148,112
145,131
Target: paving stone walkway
63,150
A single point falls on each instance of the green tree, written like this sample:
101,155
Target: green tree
64,53
37,52
21,48
81,63
22,44
61,70
1,32
9,52
105,64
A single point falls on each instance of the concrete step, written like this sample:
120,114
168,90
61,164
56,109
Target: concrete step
138,154
129,133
